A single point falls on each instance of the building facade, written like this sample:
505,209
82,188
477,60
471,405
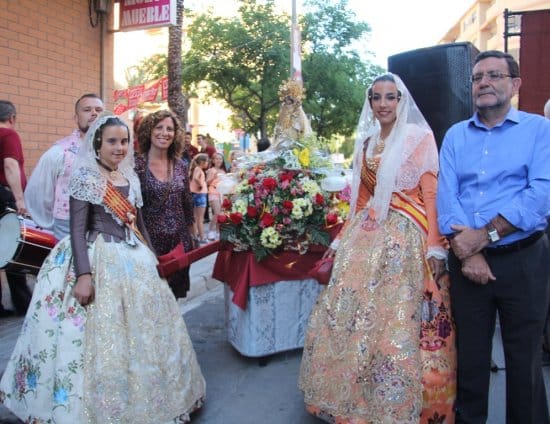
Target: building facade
483,24
51,52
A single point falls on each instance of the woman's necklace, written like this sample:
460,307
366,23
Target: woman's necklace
114,174
374,160
380,144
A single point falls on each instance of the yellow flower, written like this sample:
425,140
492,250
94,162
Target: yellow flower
303,156
343,209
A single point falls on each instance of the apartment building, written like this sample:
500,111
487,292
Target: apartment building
483,24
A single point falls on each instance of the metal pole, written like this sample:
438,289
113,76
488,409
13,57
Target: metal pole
292,38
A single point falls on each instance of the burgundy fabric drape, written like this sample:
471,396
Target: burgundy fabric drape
241,270
534,61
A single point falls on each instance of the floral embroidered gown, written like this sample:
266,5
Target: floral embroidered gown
125,358
380,342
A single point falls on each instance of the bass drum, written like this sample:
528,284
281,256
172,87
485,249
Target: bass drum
23,246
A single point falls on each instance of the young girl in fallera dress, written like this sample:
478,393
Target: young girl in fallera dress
103,340
379,347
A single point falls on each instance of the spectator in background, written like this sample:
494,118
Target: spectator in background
47,193
234,157
12,184
263,144
199,192
167,202
213,176
189,151
206,145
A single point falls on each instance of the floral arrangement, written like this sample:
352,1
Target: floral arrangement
274,208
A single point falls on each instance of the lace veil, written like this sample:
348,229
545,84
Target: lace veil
87,183
410,151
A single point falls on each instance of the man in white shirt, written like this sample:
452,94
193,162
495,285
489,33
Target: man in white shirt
47,195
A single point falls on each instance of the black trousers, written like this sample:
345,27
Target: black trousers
20,292
520,295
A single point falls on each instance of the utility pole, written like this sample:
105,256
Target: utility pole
295,47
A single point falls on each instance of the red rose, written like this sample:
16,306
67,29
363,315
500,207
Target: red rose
269,183
252,180
319,199
267,220
236,217
226,204
252,211
287,204
332,219
286,176
222,219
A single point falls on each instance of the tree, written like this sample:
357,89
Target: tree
177,102
335,76
242,60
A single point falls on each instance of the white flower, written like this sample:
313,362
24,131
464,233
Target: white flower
304,205
242,186
297,212
311,187
270,238
240,206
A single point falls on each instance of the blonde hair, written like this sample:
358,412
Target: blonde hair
197,160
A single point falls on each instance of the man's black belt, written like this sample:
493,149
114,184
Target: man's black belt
515,246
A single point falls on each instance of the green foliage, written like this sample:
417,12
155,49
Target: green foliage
242,60
149,69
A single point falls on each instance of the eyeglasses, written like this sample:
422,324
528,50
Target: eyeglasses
491,76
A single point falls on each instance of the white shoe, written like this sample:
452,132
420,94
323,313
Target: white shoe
212,235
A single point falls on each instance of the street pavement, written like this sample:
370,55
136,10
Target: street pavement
239,390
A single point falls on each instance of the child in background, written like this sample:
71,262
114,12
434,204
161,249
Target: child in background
234,160
199,192
213,176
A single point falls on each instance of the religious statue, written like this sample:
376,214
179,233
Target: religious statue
292,124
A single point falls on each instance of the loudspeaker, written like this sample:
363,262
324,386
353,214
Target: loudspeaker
439,80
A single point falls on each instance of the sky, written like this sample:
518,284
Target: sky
402,25
397,25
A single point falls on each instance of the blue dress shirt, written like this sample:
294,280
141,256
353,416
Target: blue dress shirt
501,170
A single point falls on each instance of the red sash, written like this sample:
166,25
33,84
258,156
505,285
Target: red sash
121,207
399,202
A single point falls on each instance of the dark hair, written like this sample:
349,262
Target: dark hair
7,110
263,144
110,122
224,167
149,122
383,77
513,67
86,96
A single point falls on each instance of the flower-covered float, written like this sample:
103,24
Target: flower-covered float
279,198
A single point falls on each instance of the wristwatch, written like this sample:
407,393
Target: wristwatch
492,233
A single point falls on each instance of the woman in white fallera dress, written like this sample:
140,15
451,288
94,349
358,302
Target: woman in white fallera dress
103,340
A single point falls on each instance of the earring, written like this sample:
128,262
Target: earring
96,154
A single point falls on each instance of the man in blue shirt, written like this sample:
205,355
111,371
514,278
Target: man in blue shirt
493,197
